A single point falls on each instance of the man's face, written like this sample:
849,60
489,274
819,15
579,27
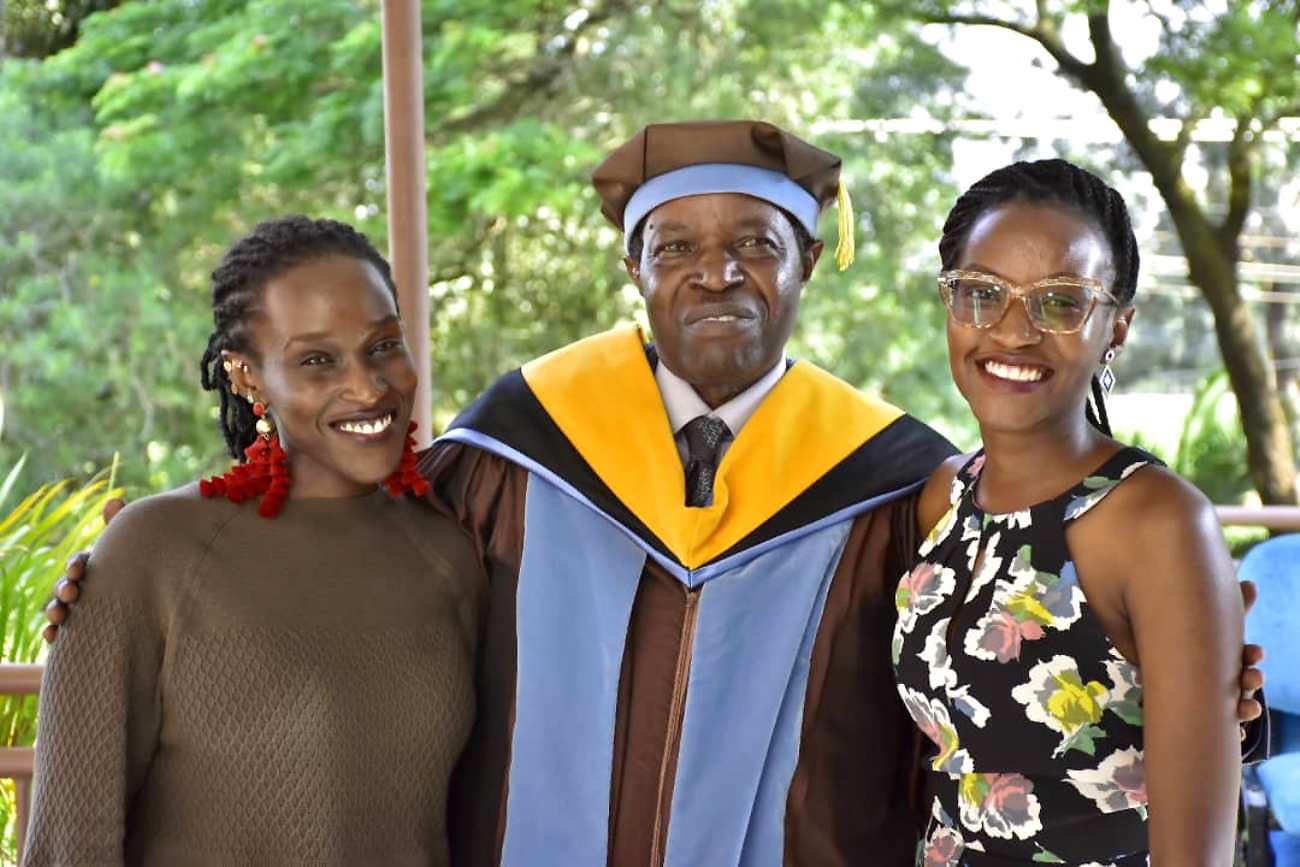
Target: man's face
721,276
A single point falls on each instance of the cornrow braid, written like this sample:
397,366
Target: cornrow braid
273,247
1061,182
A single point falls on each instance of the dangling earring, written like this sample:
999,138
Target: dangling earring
1107,376
406,479
267,452
264,473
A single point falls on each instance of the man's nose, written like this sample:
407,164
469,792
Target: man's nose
719,270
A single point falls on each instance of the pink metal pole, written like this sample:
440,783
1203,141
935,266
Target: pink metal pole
407,216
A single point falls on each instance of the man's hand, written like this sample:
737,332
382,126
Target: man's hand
1252,679
68,589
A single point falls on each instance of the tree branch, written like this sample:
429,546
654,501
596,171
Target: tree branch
1185,131
540,78
1044,36
1106,77
1109,82
1165,23
1270,119
1240,150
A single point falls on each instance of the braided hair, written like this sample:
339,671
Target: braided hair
273,247
1060,182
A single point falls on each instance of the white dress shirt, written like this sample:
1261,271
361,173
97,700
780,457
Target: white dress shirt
684,404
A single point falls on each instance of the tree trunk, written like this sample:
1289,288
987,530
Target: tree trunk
1263,419
1268,435
1212,256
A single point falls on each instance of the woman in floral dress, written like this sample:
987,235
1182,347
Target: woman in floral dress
1069,640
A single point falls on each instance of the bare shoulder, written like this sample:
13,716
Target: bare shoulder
1155,499
935,498
1154,532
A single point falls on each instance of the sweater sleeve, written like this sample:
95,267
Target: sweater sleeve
100,711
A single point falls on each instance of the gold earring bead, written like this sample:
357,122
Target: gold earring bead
234,389
264,427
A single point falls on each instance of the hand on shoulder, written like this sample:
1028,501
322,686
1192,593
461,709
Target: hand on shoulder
136,536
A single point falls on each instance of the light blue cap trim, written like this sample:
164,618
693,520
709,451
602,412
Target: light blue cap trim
704,178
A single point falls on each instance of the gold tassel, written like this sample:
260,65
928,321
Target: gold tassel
845,246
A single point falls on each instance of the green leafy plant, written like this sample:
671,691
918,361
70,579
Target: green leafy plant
37,536
1212,448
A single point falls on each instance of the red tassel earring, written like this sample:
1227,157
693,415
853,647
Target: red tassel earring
264,473
406,479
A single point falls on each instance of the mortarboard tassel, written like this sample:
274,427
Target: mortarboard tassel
845,246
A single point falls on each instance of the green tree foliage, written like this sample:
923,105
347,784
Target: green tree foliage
131,158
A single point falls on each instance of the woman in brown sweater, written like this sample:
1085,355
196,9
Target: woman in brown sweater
252,691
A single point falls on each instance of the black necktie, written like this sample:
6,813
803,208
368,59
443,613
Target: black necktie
704,437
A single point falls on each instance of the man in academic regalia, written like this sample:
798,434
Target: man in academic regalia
692,545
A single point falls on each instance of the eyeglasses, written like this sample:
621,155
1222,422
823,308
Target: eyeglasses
1058,305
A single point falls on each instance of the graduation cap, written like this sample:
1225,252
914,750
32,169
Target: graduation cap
667,161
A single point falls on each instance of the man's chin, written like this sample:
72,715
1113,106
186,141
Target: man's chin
723,375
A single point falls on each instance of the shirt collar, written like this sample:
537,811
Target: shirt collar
684,404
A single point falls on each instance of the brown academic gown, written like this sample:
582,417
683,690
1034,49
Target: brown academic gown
848,799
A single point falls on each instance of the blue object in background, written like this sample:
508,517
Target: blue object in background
1274,623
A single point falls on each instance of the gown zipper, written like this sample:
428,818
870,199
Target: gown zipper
673,739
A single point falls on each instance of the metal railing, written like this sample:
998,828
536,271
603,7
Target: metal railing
1268,517
16,763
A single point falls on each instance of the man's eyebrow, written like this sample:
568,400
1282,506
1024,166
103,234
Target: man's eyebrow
669,226
754,223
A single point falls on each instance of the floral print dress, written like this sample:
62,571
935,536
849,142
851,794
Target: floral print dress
1035,718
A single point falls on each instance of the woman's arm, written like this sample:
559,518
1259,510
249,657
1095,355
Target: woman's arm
1179,591
99,709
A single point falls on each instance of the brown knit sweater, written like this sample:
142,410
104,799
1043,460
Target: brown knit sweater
238,691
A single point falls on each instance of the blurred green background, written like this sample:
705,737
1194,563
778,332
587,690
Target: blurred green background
138,139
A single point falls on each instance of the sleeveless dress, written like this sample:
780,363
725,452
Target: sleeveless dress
1034,718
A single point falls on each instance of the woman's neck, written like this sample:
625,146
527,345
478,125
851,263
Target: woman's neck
310,479
1024,467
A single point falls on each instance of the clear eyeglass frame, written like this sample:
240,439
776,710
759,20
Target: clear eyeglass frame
1096,291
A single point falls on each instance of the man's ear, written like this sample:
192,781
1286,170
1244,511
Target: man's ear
810,258
633,270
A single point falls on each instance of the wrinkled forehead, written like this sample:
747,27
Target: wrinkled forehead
710,213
